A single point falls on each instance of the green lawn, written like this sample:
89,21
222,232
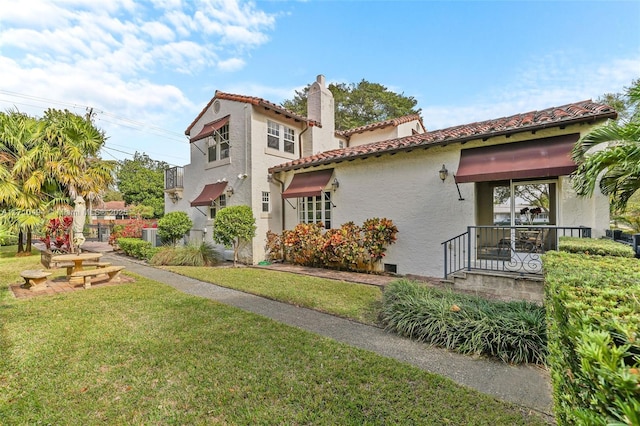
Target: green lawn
359,302
143,353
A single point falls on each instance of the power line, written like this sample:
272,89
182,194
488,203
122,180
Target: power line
129,153
132,124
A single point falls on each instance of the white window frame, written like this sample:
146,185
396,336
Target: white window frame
219,204
266,202
219,146
316,209
280,137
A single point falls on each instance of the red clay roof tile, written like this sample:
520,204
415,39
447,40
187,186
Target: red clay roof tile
584,111
253,101
382,124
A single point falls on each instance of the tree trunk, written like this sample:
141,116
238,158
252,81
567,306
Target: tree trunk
235,253
20,242
29,237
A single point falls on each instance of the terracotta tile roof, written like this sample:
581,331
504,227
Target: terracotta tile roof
585,111
110,205
253,101
382,124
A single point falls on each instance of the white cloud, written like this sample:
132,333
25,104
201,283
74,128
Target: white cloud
231,64
555,80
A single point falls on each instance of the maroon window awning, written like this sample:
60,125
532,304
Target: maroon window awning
210,129
540,158
209,194
310,184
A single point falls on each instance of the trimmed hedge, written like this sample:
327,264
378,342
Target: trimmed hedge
593,317
514,332
594,246
137,248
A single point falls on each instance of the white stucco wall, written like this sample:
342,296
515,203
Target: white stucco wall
406,188
250,156
386,133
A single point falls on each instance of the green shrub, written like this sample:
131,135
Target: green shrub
136,247
233,226
188,255
174,226
514,332
593,317
7,239
602,247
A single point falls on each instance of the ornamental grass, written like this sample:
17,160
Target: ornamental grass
513,332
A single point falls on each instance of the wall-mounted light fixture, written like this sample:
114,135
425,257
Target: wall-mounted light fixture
174,197
229,191
443,173
335,184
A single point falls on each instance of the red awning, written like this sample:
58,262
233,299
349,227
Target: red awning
209,194
540,158
210,129
310,184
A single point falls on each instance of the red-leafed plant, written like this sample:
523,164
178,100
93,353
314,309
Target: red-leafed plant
56,234
378,235
132,229
350,247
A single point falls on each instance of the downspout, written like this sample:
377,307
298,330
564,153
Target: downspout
247,118
281,199
300,140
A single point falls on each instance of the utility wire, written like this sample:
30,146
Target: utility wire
133,124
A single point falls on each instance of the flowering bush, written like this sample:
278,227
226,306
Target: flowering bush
274,249
56,233
378,234
350,247
132,229
302,245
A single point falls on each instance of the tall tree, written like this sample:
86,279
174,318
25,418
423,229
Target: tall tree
46,163
141,181
359,104
20,198
610,154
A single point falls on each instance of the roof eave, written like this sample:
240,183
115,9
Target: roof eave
424,144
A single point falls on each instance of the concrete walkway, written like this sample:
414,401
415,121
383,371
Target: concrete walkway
527,386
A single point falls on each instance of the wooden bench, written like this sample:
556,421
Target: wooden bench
34,278
85,276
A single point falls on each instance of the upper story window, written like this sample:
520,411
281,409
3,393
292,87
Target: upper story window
219,144
281,137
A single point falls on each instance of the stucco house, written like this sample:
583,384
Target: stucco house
432,184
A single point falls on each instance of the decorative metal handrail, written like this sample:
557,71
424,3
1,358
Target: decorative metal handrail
173,178
505,248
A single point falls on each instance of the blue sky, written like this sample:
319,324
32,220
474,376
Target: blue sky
148,68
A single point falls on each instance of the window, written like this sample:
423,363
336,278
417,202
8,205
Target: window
219,204
316,209
266,204
289,140
219,144
281,136
273,135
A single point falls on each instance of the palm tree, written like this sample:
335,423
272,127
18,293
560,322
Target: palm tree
46,163
611,155
19,133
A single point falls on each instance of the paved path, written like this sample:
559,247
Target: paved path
526,386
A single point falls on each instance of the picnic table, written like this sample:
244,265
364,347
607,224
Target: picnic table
77,259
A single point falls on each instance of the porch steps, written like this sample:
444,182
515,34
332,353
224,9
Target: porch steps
498,285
